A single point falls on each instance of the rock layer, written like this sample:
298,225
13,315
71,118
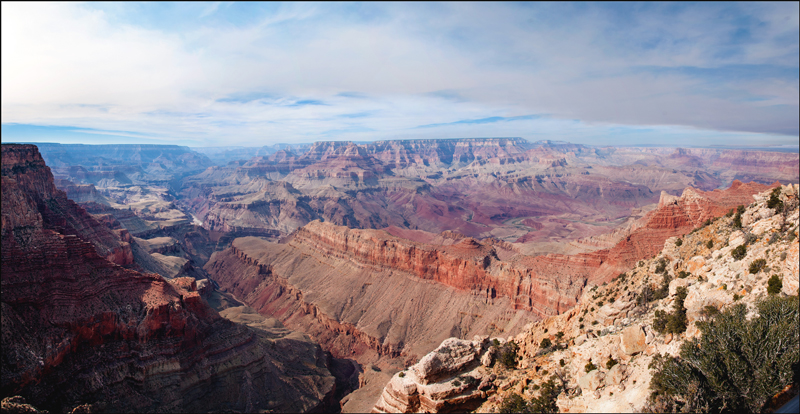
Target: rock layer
368,303
78,329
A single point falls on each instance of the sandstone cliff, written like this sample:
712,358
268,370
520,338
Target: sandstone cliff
362,303
612,325
78,329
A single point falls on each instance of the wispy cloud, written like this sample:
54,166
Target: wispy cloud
489,120
242,73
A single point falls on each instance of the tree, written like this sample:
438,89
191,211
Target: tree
735,366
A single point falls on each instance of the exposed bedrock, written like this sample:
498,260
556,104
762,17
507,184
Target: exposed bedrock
24,166
357,307
78,329
366,291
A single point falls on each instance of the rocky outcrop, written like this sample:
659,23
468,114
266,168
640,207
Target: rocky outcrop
612,326
449,379
25,170
79,329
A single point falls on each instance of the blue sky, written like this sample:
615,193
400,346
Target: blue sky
214,74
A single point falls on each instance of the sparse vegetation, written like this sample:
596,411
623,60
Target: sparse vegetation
662,291
735,366
709,311
774,285
739,252
774,201
674,322
757,265
590,367
508,355
545,343
737,218
662,266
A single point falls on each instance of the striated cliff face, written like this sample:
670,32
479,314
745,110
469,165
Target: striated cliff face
78,329
615,321
366,303
25,170
327,279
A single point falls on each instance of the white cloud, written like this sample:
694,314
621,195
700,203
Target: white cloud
71,64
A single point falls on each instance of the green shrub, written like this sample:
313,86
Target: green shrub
774,199
757,265
401,374
674,322
508,355
662,266
545,343
546,401
561,362
678,242
774,285
610,363
737,218
457,383
662,291
735,366
683,274
710,244
709,311
739,252
559,335
736,297
590,367
514,403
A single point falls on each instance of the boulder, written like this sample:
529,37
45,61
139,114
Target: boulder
450,357
616,374
488,356
632,340
591,381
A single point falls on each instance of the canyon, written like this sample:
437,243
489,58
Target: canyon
79,329
600,353
326,267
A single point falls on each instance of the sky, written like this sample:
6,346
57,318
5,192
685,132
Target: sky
252,74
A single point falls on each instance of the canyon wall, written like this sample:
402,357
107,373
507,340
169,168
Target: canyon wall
372,293
78,329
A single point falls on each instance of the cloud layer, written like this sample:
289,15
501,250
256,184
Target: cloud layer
248,74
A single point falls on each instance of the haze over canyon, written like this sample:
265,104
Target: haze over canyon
153,278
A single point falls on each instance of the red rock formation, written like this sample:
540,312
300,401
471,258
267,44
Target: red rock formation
361,303
79,329
24,165
309,282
